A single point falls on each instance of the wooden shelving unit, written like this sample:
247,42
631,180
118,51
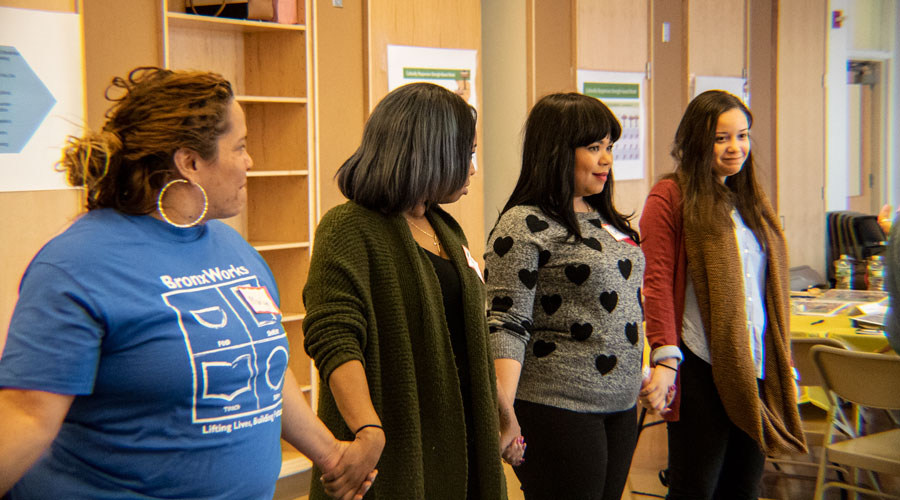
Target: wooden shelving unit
267,64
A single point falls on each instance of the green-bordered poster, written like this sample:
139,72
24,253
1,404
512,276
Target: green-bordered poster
624,94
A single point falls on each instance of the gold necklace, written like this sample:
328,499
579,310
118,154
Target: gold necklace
434,238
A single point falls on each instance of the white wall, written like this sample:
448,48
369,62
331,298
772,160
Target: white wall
837,154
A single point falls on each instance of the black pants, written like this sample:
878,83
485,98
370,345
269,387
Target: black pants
709,457
576,456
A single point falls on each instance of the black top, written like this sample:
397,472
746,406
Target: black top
451,291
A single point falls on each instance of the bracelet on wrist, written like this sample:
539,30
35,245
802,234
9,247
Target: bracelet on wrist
667,366
368,425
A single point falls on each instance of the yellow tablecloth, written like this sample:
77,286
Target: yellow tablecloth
839,327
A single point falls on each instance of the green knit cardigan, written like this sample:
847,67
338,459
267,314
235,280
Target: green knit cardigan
372,295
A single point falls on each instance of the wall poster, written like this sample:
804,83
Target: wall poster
624,94
453,69
41,95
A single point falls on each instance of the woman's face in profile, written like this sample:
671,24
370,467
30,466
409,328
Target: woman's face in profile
592,166
225,178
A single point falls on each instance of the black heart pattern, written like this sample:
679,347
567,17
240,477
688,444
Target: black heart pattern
609,300
593,243
625,268
597,222
581,332
502,245
501,304
578,274
535,224
551,303
605,363
528,278
541,348
631,333
485,274
640,300
543,258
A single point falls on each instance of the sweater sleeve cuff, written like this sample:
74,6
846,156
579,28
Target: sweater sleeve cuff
506,346
665,352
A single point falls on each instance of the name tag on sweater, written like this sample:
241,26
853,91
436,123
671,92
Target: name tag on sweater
473,263
618,235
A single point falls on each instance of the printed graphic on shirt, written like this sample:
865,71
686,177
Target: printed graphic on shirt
238,356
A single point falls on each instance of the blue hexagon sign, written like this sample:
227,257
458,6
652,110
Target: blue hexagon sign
24,101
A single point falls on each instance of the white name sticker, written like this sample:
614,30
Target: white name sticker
258,299
618,235
473,263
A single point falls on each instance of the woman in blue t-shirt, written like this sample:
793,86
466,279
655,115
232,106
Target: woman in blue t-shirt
146,356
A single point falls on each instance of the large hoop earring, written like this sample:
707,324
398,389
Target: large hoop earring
166,217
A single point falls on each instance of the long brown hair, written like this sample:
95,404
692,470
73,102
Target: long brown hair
705,198
158,112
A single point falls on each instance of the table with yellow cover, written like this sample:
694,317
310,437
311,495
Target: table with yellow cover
838,326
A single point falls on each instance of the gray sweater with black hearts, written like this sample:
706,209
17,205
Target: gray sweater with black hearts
569,311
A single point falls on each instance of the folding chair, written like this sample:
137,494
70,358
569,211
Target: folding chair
865,379
813,419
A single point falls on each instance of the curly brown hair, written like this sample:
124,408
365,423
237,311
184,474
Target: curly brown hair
158,112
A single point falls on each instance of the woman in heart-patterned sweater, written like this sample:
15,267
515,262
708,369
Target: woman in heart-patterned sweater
564,272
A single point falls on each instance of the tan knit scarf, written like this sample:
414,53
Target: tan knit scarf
769,416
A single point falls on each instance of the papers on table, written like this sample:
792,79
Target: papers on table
818,307
866,308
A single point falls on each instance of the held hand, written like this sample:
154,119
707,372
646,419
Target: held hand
353,474
509,427
658,390
512,444
364,487
514,454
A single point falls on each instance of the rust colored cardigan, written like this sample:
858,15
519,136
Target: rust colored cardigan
770,417
662,240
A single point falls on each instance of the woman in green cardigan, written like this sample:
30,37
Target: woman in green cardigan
395,312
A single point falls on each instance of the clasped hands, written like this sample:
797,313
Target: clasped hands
351,471
514,453
658,389
512,443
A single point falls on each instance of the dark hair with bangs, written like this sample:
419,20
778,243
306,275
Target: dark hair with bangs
556,126
416,147
705,198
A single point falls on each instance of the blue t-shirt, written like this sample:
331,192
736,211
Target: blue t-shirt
174,351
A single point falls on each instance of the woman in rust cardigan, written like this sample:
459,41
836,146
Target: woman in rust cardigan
716,306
